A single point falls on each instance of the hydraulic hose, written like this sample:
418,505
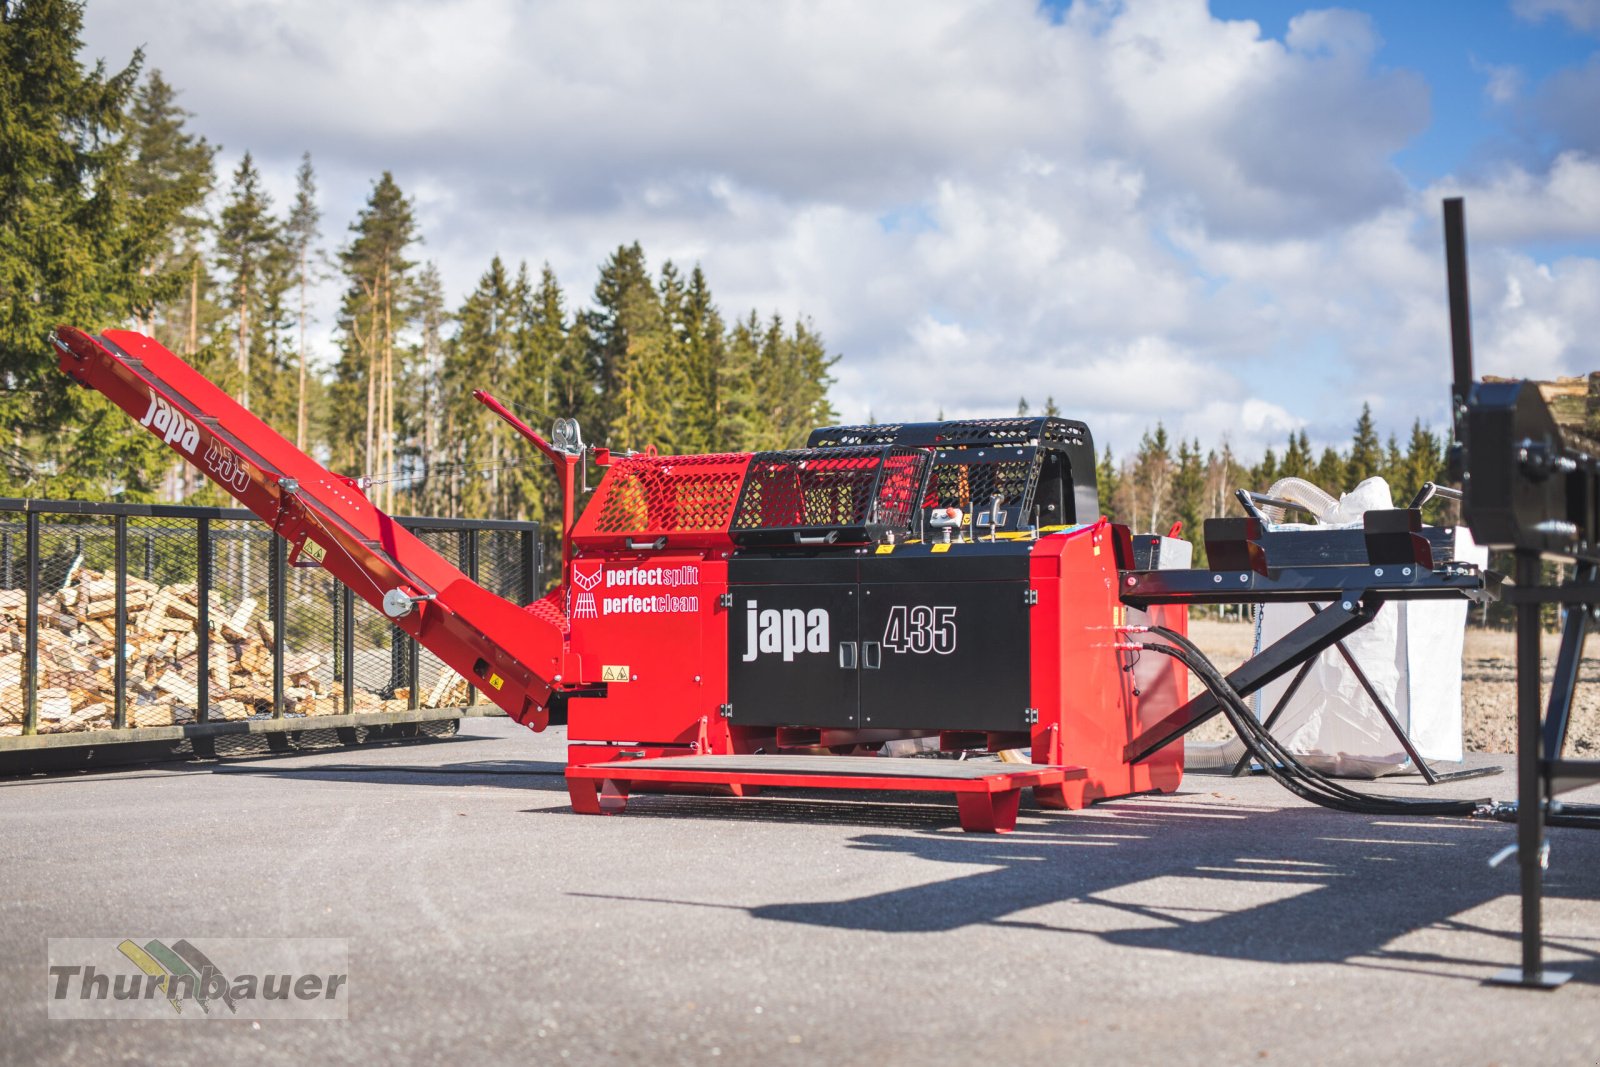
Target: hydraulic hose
1308,784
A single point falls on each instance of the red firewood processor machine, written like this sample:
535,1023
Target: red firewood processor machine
755,620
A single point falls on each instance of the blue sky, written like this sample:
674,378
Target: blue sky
1222,217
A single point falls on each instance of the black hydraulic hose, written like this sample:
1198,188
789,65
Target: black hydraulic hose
1279,762
1284,767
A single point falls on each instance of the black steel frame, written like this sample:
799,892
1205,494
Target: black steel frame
1526,490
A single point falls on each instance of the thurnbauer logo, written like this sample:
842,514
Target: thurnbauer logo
171,425
182,975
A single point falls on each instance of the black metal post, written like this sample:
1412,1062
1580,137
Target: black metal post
472,572
413,672
203,690
278,563
1530,786
348,631
30,655
119,655
528,543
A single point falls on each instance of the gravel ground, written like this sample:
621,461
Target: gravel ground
1488,681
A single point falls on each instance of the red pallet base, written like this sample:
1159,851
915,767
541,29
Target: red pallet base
987,794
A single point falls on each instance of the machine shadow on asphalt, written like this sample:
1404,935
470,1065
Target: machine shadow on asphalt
1204,897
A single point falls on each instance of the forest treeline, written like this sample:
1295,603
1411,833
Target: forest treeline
1160,485
112,213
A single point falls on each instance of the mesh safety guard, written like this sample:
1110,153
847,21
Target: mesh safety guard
834,496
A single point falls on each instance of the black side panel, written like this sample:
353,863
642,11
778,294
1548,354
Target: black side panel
944,639
792,645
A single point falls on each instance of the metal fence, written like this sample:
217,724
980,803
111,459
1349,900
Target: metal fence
117,620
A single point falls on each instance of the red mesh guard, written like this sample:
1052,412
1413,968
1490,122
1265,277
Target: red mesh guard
687,499
835,488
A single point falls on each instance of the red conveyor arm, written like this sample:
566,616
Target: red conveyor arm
512,657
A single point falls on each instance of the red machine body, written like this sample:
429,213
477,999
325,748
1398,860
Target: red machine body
730,620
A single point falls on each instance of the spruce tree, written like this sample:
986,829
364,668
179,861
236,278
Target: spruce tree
483,355
1107,481
76,247
1297,457
1188,489
626,331
1330,473
172,171
1366,453
249,248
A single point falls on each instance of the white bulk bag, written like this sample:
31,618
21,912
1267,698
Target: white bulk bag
1410,653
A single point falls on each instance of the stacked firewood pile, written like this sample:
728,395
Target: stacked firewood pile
77,639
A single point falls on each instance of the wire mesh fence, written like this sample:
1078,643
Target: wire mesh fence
124,617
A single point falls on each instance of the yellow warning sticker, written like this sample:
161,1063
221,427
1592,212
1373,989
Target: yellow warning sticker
496,681
610,673
942,546
884,550
313,551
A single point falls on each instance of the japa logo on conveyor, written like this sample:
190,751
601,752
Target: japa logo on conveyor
172,425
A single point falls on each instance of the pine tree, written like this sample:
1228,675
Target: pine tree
1424,462
742,418
703,345
1330,473
374,313
626,330
792,369
1297,458
1366,454
483,355
424,455
1147,487
1393,469
172,171
301,231
1107,480
1022,407
1189,489
1263,474
249,250
76,247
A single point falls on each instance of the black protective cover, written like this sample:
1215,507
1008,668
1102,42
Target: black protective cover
900,675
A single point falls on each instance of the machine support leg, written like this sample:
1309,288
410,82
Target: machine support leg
989,813
596,797
1530,790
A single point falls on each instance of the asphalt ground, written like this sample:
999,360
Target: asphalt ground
1227,923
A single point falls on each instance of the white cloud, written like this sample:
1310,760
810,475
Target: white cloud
1579,14
1141,210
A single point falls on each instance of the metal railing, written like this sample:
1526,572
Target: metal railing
124,617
